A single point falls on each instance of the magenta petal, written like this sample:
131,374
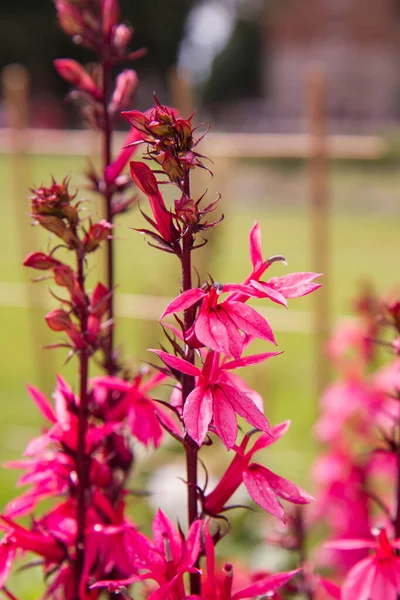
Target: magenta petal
115,168
255,246
264,290
192,545
211,331
246,408
165,527
7,555
144,423
359,581
266,440
197,413
262,493
177,363
384,585
282,487
249,320
42,403
350,544
263,586
111,383
184,301
224,418
246,361
295,285
234,340
331,588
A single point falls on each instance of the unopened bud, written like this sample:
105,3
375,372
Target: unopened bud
74,73
59,228
125,87
69,18
41,261
59,320
121,38
110,15
98,232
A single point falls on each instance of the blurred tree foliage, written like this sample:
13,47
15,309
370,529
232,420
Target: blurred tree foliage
235,73
29,34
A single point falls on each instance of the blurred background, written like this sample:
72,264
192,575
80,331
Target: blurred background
304,107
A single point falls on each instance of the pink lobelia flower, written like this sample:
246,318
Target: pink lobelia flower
375,577
263,486
165,559
221,586
277,289
18,538
218,325
216,401
144,415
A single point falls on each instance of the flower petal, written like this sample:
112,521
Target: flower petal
262,493
265,585
197,413
184,301
42,403
224,418
249,320
245,407
179,364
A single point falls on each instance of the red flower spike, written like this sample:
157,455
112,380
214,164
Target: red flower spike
147,183
263,486
215,399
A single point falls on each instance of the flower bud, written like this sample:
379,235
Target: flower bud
121,37
110,16
74,73
64,276
126,85
59,228
59,320
186,210
98,232
100,300
41,261
69,18
54,201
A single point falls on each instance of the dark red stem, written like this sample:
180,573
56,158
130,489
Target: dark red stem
82,459
301,548
107,159
188,384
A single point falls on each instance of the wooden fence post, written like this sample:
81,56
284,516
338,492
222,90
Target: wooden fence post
319,218
15,84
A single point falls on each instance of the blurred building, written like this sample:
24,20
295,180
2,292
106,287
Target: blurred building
356,41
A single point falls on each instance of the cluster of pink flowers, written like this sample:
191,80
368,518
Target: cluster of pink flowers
82,462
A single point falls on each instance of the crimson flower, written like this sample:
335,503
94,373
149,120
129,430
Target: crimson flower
277,289
263,486
220,586
215,400
218,325
165,559
144,415
375,577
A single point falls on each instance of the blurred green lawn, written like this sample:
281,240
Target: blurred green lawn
365,247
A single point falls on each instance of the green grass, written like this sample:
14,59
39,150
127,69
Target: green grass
364,247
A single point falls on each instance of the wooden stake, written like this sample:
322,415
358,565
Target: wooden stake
319,217
15,84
